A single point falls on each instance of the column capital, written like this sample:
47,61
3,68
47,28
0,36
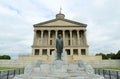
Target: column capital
56,30
63,30
70,30
42,30
49,30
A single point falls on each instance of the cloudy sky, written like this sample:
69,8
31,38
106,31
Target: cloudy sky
18,16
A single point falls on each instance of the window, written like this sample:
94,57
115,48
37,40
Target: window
75,51
36,51
83,52
44,52
68,51
50,42
81,33
51,50
68,42
39,33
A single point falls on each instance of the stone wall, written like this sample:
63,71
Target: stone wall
14,63
44,58
70,58
95,64
105,63
86,58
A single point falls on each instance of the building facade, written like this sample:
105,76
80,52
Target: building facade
73,33
74,39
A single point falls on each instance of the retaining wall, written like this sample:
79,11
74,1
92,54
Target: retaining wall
95,64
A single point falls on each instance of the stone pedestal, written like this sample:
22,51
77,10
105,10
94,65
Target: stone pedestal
59,66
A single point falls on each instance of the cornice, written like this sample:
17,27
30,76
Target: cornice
78,24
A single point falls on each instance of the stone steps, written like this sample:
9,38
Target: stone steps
58,69
60,78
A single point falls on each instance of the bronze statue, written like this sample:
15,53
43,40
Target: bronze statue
59,46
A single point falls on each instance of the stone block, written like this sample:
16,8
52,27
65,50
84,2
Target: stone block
45,68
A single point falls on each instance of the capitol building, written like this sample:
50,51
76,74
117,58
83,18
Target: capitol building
74,40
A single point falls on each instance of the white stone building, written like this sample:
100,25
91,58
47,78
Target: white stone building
74,38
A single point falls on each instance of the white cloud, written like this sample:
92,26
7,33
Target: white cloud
99,3
17,18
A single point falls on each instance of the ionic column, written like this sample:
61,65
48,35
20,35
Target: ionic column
56,32
64,37
41,37
48,37
71,37
48,52
78,40
40,51
35,37
79,51
71,51
85,39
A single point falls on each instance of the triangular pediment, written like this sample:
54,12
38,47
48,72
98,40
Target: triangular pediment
58,22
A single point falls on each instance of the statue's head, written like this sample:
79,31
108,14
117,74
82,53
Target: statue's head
59,36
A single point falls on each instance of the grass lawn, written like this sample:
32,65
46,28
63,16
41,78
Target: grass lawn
6,68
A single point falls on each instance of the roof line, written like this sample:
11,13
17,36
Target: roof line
67,20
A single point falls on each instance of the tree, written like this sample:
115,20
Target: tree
117,56
111,56
0,57
5,57
103,55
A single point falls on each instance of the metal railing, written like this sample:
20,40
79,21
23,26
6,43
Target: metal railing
10,74
108,74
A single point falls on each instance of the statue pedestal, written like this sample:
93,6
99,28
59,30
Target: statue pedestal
58,66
